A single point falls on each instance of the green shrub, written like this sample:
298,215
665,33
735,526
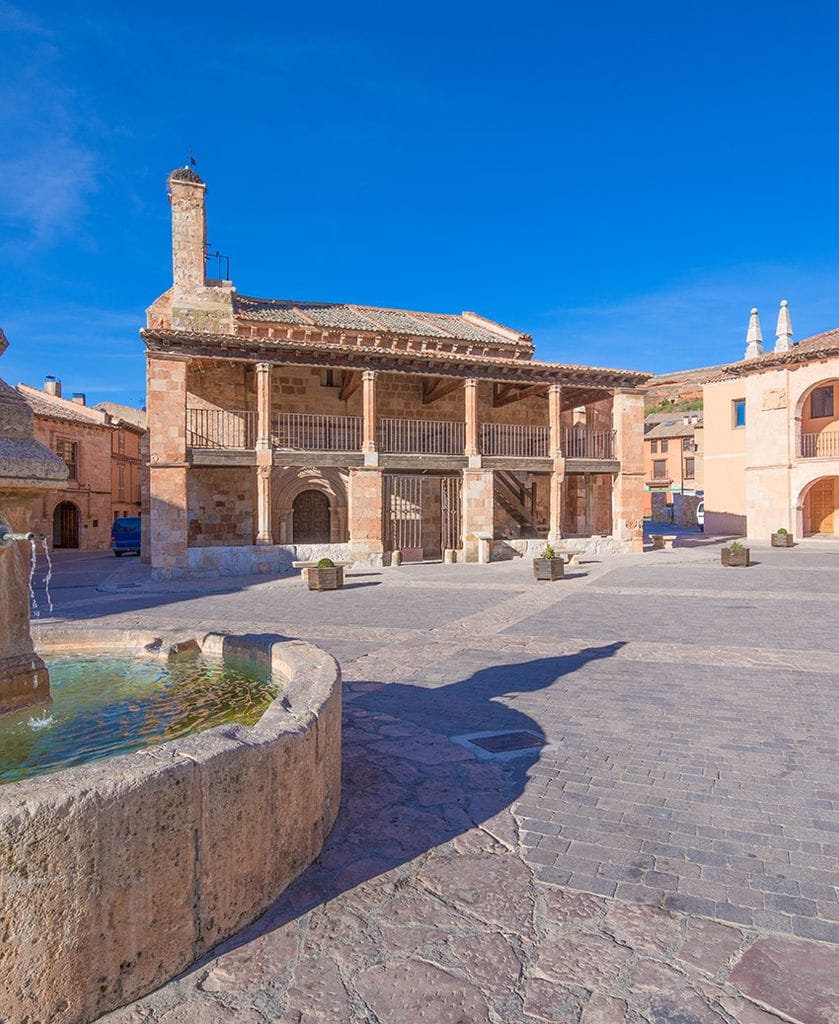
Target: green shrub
549,552
326,563
783,531
735,545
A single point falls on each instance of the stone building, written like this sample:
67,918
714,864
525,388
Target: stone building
102,456
280,428
772,436
673,463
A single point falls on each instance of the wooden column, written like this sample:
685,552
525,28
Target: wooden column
368,411
558,471
470,401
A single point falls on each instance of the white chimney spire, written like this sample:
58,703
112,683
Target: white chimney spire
784,342
754,339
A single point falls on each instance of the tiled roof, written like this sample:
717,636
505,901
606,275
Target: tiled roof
672,428
351,317
132,416
43,404
821,345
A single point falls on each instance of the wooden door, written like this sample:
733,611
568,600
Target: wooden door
65,525
310,518
822,505
450,512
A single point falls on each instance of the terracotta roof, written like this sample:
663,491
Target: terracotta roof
127,413
352,317
43,404
672,428
819,346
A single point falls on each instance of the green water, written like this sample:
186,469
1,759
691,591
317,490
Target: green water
104,706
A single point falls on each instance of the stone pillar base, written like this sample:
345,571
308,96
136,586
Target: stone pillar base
24,682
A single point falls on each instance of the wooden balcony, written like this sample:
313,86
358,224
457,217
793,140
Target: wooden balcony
585,443
293,431
515,440
819,446
422,437
220,429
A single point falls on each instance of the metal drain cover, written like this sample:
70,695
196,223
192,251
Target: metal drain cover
505,742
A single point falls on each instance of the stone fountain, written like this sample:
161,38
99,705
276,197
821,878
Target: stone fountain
27,470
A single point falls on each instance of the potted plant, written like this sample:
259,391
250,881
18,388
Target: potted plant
782,539
326,575
735,555
550,566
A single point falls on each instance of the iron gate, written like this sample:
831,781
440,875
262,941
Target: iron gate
403,515
450,509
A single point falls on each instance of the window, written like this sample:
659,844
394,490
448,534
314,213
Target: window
659,469
821,402
121,441
663,447
739,412
654,447
121,480
690,468
69,451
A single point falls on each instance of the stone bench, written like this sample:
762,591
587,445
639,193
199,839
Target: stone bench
571,557
663,541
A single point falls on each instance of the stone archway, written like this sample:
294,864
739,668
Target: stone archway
66,525
820,505
291,482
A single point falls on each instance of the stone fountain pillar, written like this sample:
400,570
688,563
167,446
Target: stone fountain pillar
27,469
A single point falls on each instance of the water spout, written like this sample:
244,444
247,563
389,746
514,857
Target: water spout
48,577
33,565
8,537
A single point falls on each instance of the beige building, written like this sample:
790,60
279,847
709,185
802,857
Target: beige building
673,456
282,429
772,437
101,452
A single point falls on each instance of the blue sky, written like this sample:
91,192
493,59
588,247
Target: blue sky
623,181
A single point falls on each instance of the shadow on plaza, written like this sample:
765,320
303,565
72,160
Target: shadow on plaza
407,787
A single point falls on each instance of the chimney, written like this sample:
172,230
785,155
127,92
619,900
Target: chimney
754,339
783,332
52,386
189,232
79,398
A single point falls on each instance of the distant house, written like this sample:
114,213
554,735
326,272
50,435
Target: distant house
102,453
772,437
673,452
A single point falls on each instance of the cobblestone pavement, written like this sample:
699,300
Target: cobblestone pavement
669,855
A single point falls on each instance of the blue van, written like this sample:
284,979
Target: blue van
125,535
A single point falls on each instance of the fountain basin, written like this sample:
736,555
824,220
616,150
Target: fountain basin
118,874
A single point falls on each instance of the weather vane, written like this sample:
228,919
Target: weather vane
192,161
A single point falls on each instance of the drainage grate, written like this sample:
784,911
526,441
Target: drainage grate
505,742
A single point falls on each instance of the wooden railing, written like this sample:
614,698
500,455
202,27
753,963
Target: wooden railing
820,446
220,428
295,431
422,437
585,443
515,440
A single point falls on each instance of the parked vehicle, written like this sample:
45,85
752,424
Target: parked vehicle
700,515
125,536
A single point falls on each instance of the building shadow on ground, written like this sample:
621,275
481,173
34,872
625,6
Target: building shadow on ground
407,787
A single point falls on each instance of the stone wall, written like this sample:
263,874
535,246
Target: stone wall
119,874
221,506
684,509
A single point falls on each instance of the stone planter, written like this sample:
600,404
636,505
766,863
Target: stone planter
782,540
736,557
326,579
548,568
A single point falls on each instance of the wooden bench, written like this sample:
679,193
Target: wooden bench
663,541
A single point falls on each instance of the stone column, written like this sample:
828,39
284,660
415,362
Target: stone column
628,486
558,469
470,402
264,455
370,417
168,468
478,510
365,514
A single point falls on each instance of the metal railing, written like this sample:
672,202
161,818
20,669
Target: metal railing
515,440
819,446
298,431
422,437
585,443
220,428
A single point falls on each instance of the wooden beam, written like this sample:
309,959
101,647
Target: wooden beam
506,394
432,390
350,383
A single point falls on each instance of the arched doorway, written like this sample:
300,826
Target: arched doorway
821,507
310,518
65,525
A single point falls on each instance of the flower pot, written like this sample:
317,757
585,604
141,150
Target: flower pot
548,568
782,540
326,579
736,557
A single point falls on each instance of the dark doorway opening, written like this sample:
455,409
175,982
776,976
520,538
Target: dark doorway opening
310,518
65,525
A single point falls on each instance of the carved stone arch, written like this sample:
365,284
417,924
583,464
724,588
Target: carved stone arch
817,508
805,394
289,482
